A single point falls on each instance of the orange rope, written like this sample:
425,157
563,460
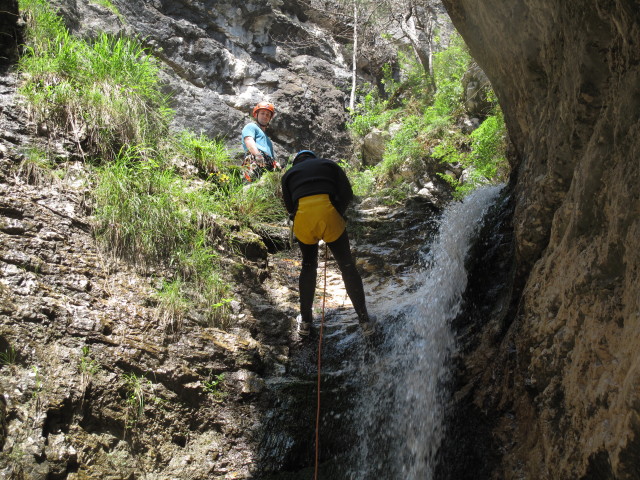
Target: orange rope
324,297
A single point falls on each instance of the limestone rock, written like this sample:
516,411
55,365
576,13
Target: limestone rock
373,146
476,87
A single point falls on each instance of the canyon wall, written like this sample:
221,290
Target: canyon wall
221,58
553,377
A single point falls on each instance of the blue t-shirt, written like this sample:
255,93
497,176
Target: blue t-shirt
262,141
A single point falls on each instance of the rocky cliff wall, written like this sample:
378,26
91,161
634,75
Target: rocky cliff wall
221,58
559,388
10,31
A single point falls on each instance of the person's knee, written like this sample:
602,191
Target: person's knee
310,265
348,268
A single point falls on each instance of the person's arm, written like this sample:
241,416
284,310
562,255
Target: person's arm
345,192
250,143
286,196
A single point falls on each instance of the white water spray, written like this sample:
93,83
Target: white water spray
403,408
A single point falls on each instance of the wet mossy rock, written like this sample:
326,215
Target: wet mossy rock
249,244
275,237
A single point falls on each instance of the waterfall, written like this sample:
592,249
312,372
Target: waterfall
401,407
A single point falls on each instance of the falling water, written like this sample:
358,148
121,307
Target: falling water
403,405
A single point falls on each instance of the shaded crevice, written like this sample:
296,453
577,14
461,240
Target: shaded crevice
470,450
58,419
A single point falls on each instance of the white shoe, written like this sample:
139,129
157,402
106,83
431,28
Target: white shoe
302,328
372,332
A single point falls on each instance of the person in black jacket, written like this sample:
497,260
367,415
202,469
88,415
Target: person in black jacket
316,193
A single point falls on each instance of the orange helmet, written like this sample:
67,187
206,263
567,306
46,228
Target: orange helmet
264,106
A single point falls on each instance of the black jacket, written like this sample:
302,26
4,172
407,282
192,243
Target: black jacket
313,176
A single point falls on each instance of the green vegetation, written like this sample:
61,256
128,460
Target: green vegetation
211,157
105,94
135,394
138,392
251,206
36,168
173,305
213,386
9,356
150,208
485,160
424,129
88,366
109,6
142,208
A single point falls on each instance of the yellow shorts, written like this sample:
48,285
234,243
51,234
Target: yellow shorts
317,219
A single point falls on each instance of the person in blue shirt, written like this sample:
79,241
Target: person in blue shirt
259,154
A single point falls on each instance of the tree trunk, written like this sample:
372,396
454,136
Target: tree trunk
352,98
421,43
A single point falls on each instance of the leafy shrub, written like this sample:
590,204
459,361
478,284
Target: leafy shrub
449,67
362,181
481,154
404,147
427,128
415,88
488,148
369,114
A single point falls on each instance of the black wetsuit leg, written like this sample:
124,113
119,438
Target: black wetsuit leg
307,280
352,281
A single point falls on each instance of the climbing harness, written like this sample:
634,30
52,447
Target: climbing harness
324,298
254,166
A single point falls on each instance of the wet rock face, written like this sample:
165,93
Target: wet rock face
221,58
564,379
